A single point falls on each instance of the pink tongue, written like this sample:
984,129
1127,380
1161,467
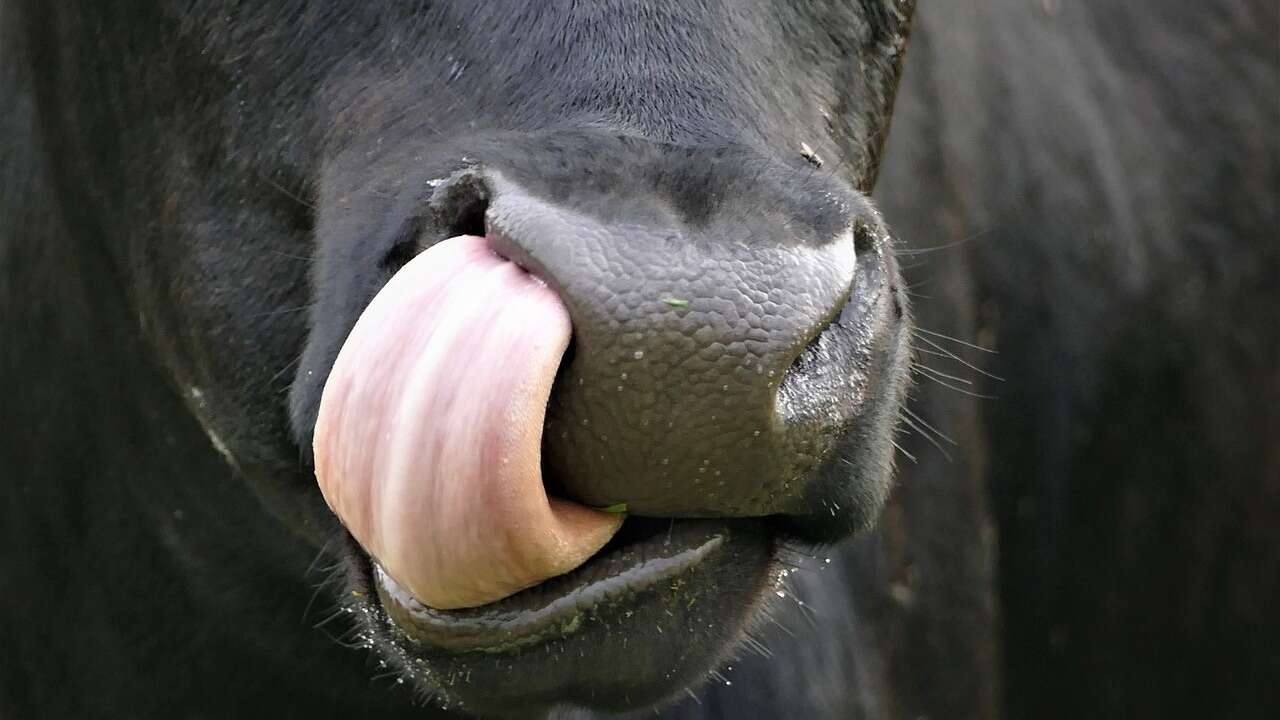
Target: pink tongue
429,436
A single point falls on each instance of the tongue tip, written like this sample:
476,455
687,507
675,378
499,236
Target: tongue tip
577,533
582,531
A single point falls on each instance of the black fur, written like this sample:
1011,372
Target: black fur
1101,179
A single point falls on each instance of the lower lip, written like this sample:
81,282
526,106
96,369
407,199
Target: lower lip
647,554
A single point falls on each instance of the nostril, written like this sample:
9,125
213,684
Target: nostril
794,393
805,360
456,207
834,361
864,237
459,203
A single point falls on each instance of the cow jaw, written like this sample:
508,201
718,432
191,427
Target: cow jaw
428,439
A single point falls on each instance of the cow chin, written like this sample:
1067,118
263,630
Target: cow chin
650,615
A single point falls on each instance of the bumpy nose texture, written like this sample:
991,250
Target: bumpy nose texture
669,399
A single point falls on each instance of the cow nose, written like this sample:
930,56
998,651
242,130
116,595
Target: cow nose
674,397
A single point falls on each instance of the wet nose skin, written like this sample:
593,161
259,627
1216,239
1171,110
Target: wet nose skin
683,333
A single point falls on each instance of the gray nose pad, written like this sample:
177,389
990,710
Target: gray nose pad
682,337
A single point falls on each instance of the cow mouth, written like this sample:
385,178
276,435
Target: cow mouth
428,449
653,612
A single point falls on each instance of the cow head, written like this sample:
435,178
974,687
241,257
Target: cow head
509,277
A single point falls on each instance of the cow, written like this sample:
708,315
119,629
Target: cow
549,358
